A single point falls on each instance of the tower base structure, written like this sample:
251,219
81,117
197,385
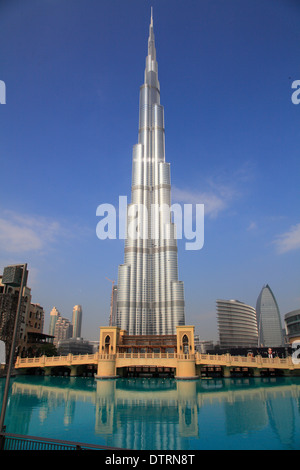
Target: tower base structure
119,351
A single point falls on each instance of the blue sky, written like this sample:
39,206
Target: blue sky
72,71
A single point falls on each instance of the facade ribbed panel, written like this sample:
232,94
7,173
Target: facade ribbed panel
150,297
237,324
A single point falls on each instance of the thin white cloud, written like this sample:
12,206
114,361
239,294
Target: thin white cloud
218,192
252,226
19,234
288,241
213,203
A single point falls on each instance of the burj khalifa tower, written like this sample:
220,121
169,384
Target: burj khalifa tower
150,298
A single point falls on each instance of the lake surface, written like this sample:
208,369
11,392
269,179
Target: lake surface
158,414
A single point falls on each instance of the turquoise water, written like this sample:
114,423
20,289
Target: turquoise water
158,414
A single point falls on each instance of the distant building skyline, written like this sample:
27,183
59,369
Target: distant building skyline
54,315
74,346
62,328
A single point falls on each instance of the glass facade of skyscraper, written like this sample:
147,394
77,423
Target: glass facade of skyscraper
237,324
292,323
268,319
150,296
76,321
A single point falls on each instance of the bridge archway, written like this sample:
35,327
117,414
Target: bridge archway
146,371
61,371
185,344
107,344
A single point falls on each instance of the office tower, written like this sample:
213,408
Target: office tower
76,321
292,325
63,329
150,297
10,286
74,346
36,317
31,321
113,306
268,319
237,324
54,315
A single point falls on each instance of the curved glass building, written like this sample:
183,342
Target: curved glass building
268,319
292,325
237,324
150,296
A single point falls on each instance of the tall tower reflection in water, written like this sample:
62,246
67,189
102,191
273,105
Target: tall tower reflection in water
167,413
159,413
163,414
150,296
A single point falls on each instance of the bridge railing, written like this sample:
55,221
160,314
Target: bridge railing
251,361
140,355
209,359
45,361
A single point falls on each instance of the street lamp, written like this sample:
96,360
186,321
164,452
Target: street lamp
16,276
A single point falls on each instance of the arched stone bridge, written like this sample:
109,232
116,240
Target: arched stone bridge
118,352
187,366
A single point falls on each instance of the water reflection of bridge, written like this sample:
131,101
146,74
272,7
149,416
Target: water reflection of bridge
133,413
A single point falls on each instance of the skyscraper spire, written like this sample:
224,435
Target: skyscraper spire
151,46
150,297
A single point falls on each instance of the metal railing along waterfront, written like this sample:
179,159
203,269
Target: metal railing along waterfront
10,441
